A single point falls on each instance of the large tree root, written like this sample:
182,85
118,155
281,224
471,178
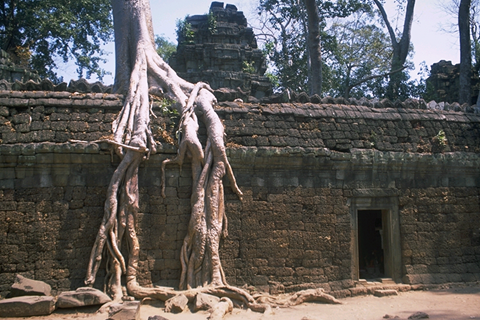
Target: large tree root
240,298
221,309
140,72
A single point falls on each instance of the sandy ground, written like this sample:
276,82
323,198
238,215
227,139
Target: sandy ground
453,303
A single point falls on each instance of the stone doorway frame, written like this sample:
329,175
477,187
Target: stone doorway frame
387,202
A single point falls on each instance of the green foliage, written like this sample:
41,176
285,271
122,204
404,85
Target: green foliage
286,36
212,23
273,80
249,67
40,32
185,34
166,107
285,47
360,51
408,87
167,110
165,48
356,50
441,138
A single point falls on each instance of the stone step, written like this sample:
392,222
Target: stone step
387,281
385,293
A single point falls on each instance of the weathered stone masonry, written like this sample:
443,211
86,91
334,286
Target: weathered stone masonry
307,171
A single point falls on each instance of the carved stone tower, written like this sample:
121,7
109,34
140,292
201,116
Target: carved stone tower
219,48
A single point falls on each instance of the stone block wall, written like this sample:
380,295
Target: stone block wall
443,82
304,169
221,50
9,72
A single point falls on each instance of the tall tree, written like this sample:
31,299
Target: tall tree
451,8
283,32
360,59
314,48
400,47
38,32
465,78
287,27
140,71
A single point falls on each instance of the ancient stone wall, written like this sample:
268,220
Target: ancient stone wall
10,72
443,82
220,49
305,170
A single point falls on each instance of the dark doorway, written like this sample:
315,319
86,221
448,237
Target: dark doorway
370,244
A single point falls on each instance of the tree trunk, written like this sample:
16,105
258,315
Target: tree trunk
465,79
400,48
140,72
314,48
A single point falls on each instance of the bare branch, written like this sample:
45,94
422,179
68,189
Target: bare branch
383,75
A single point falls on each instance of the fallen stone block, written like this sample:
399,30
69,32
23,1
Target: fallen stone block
176,304
419,315
27,306
84,296
128,310
384,293
204,301
28,287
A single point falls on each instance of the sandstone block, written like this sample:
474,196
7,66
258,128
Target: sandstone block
27,306
385,293
205,301
419,315
4,112
84,296
28,287
176,304
128,310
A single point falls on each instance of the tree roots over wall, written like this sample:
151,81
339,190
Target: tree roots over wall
140,72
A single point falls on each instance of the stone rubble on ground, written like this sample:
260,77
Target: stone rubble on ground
128,310
419,315
84,296
385,293
28,287
27,306
204,301
28,298
157,317
176,304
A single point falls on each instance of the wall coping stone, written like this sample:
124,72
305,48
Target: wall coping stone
347,112
246,156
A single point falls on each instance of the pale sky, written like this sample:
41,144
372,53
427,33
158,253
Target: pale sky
430,43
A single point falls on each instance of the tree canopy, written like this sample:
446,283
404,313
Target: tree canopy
360,53
286,33
359,59
165,48
38,33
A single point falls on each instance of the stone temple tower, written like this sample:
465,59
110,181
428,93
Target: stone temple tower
220,49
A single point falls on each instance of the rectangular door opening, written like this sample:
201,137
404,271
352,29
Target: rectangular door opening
371,245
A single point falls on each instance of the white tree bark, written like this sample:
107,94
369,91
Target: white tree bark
140,72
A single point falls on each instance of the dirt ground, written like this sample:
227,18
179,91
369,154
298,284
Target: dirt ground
457,303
